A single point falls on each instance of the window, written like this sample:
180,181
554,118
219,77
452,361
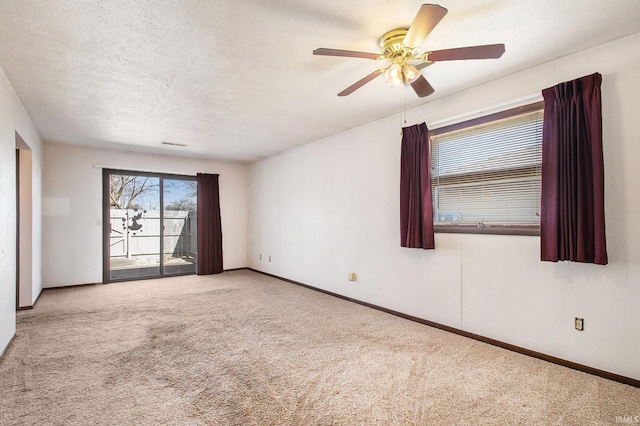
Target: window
486,173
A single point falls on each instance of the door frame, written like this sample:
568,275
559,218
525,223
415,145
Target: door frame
106,220
17,229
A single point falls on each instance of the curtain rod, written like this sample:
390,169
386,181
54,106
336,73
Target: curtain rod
102,166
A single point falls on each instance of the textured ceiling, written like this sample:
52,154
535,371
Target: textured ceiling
236,80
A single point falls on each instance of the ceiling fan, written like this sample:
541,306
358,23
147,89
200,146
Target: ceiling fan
401,46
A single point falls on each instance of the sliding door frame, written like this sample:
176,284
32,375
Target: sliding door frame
106,220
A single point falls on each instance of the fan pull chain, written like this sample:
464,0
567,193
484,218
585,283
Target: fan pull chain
401,125
403,113
404,101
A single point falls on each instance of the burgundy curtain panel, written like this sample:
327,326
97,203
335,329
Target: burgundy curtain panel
572,223
416,210
209,225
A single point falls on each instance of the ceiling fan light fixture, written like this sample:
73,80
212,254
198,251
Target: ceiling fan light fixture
411,73
401,47
393,74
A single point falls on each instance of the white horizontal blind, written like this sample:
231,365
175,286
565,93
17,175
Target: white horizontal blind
489,174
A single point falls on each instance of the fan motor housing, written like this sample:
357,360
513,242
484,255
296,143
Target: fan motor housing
391,45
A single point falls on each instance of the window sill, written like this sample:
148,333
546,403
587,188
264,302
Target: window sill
529,230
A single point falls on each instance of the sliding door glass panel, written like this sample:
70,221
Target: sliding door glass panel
179,226
134,228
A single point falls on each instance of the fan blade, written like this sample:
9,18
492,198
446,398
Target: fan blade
347,53
422,87
425,21
489,51
355,86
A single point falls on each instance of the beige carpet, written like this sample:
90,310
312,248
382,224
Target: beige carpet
244,349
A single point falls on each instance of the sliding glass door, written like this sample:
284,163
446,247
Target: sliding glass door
149,225
180,237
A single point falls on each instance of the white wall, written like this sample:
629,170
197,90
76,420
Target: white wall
72,247
330,208
13,118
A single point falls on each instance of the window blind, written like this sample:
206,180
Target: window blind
489,174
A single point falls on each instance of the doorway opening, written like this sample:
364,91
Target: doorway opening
24,225
150,225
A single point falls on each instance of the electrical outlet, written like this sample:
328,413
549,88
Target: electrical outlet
579,322
260,256
269,258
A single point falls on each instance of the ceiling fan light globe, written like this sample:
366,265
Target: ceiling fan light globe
411,73
393,74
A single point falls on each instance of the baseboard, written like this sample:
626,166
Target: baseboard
110,282
62,287
121,281
6,349
584,368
